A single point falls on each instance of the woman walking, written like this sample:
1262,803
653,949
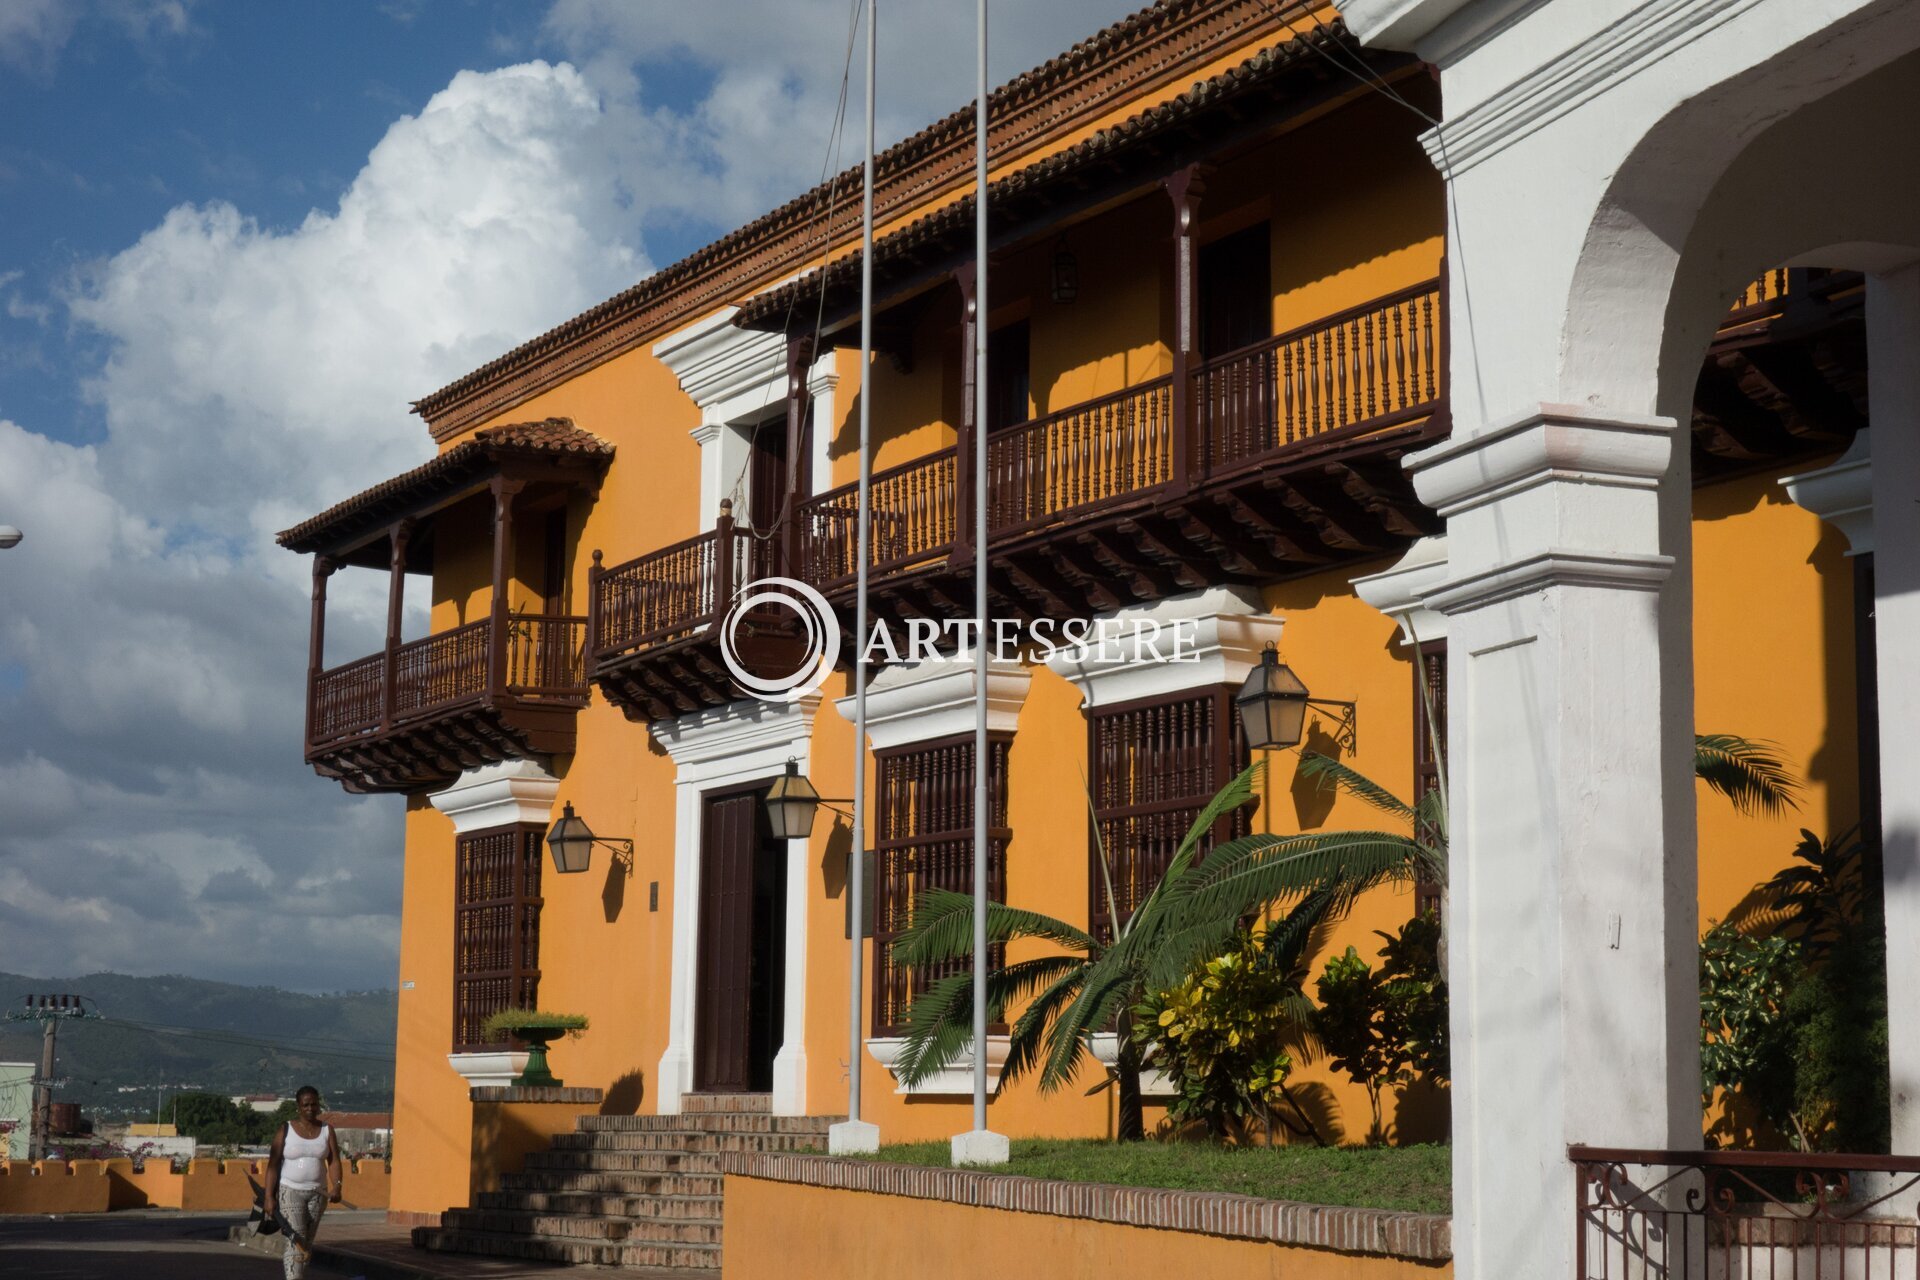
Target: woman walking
303,1175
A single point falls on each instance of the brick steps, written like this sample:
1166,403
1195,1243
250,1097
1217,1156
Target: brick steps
626,1191
683,1257
673,1207
616,1184
576,1226
672,1140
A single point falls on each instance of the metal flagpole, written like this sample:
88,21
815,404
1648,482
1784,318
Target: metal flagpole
855,1135
980,1146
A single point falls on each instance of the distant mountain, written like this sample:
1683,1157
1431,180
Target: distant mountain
173,1032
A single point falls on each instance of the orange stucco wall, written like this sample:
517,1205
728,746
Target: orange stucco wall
1355,212
96,1186
776,1230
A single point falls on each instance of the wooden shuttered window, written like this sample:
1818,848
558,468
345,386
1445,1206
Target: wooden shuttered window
923,839
1155,764
1431,667
496,927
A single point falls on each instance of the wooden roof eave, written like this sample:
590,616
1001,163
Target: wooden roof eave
918,257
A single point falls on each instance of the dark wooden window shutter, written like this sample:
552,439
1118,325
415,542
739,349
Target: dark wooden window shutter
1154,764
923,839
496,927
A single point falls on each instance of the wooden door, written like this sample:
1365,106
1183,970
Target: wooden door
1236,291
729,838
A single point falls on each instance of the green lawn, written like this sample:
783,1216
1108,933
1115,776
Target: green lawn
1410,1178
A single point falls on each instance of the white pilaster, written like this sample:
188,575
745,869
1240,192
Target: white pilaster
1572,878
742,742
1893,394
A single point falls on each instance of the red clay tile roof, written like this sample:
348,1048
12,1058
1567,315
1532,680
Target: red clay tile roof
358,1119
450,472
1151,45
1152,132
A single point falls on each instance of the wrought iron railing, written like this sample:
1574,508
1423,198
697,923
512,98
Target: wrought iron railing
1745,1215
543,660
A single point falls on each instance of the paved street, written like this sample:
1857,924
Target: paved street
139,1245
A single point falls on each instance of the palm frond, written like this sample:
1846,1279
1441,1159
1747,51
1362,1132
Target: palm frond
1105,990
940,1022
1025,1037
1326,769
942,928
1253,873
1225,801
1750,773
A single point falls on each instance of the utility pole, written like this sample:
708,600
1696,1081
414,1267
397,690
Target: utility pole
49,1011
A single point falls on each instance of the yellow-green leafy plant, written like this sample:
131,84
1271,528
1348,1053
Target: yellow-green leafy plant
1224,1037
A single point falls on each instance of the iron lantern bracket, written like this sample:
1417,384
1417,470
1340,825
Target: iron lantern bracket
621,851
1346,721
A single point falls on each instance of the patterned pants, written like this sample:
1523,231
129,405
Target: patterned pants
300,1210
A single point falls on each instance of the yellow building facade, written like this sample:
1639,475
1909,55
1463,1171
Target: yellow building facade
1214,327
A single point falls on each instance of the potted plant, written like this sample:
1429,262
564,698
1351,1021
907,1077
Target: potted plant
536,1029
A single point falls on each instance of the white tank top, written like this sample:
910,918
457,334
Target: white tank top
303,1160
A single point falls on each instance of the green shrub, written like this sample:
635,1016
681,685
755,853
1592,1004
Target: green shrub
1222,1036
1387,1026
499,1026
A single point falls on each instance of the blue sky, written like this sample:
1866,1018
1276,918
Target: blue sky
236,239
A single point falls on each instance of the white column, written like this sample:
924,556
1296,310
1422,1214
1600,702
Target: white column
1575,1002
1893,396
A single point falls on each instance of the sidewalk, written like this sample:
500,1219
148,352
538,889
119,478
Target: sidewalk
380,1251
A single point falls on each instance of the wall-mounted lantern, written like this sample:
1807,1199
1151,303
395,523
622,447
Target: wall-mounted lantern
792,803
1066,272
571,842
1272,703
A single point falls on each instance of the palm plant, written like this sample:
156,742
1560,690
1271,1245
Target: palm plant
1190,914
1748,772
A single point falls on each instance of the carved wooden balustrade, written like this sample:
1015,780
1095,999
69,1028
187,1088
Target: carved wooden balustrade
649,613
1275,460
424,710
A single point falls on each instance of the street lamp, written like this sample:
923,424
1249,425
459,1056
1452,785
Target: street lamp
1272,703
792,804
9,536
571,842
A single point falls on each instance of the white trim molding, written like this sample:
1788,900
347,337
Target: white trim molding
1221,634
1153,1081
1557,495
1400,592
713,750
488,1069
738,378
496,795
953,1080
927,701
1841,493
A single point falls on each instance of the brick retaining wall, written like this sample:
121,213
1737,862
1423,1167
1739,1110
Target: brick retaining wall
838,1209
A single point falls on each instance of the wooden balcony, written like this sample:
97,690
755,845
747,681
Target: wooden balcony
1278,459
654,650
414,716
